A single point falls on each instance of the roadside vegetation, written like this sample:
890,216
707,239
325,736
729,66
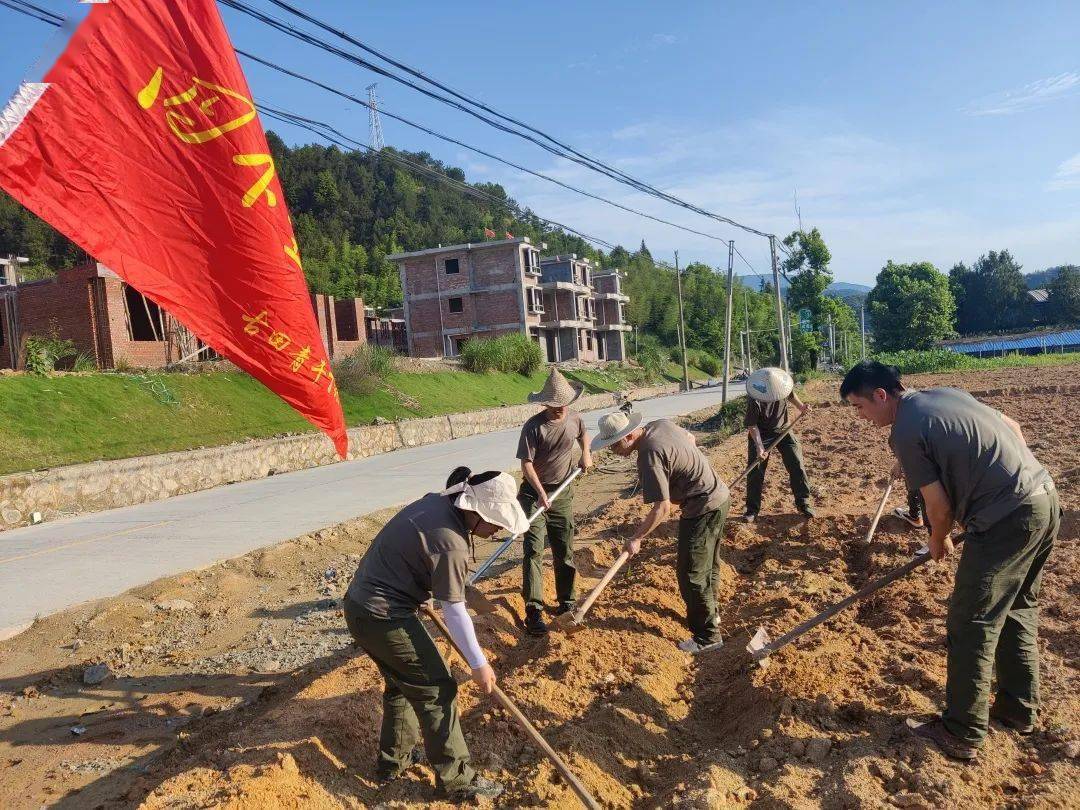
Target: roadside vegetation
50,420
939,360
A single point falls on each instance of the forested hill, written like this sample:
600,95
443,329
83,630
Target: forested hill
350,210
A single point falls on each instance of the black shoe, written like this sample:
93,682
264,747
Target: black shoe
807,511
1019,726
534,621
480,787
383,777
565,607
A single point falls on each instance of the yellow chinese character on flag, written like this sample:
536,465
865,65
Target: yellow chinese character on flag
191,115
252,324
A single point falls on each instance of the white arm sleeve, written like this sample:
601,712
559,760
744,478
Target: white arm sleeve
460,625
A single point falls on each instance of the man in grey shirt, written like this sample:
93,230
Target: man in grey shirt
674,471
973,467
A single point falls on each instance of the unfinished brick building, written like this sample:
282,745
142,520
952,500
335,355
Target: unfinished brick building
456,293
115,325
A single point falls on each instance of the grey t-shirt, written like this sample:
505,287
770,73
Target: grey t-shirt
673,468
422,552
946,435
552,445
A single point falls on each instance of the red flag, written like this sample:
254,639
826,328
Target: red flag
142,146
488,233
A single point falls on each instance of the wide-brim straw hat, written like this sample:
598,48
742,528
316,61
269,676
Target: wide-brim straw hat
558,392
494,499
613,426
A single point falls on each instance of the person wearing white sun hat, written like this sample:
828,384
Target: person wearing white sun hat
674,471
422,553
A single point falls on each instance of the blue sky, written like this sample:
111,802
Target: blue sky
911,131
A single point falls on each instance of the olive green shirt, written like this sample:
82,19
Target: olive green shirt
673,468
946,435
553,446
423,552
770,418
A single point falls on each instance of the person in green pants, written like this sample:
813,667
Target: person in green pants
420,554
973,467
764,422
673,471
551,445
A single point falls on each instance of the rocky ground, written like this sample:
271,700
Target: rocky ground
236,685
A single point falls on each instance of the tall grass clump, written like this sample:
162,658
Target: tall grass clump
507,353
365,370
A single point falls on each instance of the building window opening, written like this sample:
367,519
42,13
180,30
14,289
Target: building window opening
144,316
345,319
452,266
456,304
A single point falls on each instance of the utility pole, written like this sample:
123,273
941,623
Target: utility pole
779,305
682,327
832,343
862,319
727,317
742,349
746,315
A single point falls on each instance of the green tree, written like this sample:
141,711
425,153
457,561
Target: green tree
911,306
1064,303
992,295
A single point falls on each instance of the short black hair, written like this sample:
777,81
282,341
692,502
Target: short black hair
869,375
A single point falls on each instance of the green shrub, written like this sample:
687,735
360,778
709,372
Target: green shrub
84,362
44,354
364,371
652,357
912,361
709,364
514,353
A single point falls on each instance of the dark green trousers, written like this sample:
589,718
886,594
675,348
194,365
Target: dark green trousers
791,453
419,697
696,565
556,526
993,619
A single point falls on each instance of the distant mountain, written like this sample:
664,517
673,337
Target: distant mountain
841,289
1041,279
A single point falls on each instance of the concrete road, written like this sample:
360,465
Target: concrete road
46,568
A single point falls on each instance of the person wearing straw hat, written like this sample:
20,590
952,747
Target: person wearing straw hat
552,443
420,554
674,471
768,393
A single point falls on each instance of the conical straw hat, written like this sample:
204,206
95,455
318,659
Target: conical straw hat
557,391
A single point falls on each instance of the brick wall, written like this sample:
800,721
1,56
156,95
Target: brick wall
350,333
61,306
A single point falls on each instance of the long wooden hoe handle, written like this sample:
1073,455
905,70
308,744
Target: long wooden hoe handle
523,721
620,561
768,449
877,515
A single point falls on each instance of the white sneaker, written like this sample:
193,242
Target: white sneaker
692,647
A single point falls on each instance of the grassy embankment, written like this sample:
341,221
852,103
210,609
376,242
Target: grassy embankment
49,421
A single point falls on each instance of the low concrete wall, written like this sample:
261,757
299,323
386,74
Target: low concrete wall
103,485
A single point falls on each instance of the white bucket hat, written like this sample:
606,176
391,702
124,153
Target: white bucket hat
558,392
770,384
612,427
494,499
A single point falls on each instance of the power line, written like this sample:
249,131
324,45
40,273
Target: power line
309,123
476,150
561,151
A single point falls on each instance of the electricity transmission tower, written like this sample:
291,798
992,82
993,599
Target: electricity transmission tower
374,123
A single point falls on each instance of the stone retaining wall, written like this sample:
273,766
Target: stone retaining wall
103,485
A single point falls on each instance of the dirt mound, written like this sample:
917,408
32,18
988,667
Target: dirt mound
642,724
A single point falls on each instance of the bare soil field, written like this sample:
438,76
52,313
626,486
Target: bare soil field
237,686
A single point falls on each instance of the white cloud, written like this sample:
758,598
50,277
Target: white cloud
663,40
873,198
1067,175
1028,97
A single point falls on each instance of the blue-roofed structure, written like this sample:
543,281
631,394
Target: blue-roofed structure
1067,341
